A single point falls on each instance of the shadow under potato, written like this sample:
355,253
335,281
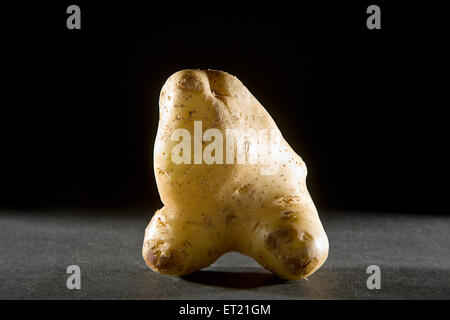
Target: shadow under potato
235,280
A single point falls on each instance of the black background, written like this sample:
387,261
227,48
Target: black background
364,108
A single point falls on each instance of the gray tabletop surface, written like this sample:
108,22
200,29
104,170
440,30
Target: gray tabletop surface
412,251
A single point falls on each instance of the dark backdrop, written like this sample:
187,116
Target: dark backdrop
364,108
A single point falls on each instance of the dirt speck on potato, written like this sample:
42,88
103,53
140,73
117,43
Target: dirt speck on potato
300,266
289,200
229,218
244,189
256,226
277,240
157,259
163,262
307,236
296,265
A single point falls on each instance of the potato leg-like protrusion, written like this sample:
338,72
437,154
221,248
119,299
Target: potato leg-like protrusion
177,246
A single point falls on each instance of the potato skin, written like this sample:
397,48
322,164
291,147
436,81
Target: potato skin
211,209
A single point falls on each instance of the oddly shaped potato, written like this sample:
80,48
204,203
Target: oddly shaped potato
211,209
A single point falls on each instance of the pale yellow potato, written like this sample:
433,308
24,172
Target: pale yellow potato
212,209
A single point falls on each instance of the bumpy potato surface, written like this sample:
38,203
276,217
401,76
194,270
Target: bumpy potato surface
211,209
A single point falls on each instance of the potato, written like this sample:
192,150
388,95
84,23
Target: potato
218,200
